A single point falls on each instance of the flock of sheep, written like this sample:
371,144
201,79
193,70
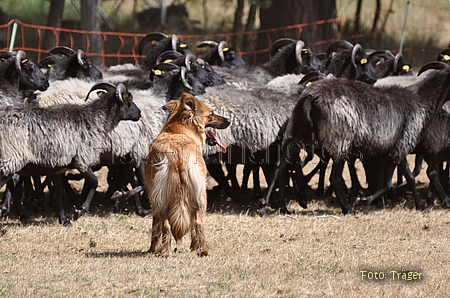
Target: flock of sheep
344,105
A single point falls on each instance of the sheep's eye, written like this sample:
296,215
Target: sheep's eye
125,97
211,115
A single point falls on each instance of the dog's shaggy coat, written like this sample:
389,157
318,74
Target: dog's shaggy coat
176,175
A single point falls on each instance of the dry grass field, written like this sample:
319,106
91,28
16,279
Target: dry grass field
314,252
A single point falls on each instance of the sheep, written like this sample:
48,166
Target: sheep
19,77
351,61
163,44
221,54
63,62
37,141
348,117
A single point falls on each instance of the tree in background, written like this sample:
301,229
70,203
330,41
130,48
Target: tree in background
54,19
290,12
90,15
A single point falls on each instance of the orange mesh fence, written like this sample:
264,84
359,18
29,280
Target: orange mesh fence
253,46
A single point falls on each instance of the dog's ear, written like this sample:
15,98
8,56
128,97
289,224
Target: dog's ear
171,106
188,101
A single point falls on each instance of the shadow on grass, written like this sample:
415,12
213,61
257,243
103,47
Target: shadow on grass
117,254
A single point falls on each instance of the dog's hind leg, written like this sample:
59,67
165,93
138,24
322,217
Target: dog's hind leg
198,239
155,247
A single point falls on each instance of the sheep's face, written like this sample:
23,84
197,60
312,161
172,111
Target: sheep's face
128,108
31,77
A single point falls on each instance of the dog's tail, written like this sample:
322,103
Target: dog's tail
179,188
191,198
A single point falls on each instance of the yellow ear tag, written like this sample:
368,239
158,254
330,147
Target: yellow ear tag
24,60
49,65
168,61
305,50
363,61
446,57
307,84
158,72
225,49
378,63
405,67
183,45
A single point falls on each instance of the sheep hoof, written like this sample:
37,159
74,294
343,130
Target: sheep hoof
142,212
303,204
79,213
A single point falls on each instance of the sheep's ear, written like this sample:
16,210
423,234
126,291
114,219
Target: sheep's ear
188,101
171,106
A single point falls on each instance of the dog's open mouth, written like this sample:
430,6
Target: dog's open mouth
214,140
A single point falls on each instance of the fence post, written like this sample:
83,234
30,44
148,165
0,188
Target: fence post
13,36
402,39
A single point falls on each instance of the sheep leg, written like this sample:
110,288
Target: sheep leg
433,175
57,193
12,185
388,173
231,168
256,180
443,177
338,184
410,178
5,208
280,165
140,174
216,171
93,183
122,196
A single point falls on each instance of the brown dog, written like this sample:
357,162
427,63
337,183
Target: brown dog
176,174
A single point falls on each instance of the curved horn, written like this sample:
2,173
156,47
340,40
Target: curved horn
222,45
47,60
168,55
385,54
278,44
398,61
20,55
208,43
183,78
339,44
80,56
65,51
298,52
433,65
108,87
120,89
175,41
311,77
189,57
356,49
158,36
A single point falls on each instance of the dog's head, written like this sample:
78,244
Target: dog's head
190,110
